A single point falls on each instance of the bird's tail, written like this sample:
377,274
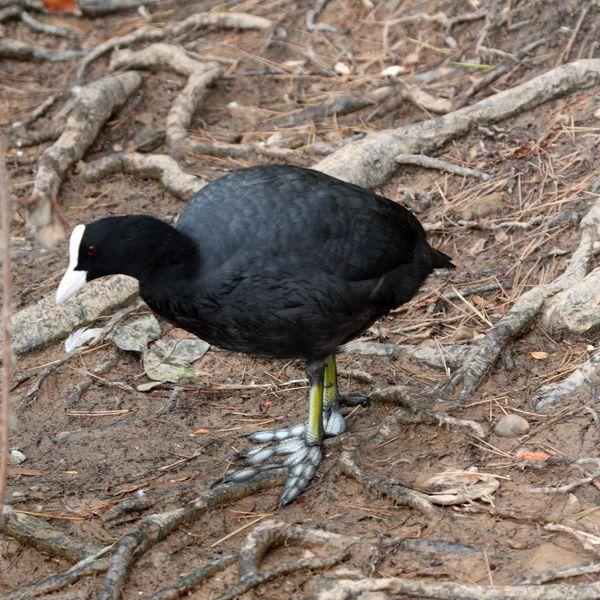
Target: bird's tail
439,260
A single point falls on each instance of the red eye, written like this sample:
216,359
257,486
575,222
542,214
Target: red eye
91,250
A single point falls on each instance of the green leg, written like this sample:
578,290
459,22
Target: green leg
330,387
334,421
314,429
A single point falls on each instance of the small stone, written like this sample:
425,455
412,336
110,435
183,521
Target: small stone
118,147
511,426
17,457
341,68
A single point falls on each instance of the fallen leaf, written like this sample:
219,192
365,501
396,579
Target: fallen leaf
533,455
201,431
61,5
539,355
170,359
136,336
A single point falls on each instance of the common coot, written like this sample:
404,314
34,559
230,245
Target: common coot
276,261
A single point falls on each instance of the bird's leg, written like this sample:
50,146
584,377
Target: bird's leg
334,423
332,399
301,444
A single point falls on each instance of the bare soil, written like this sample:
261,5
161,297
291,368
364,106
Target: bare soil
81,462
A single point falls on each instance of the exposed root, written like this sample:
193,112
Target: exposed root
588,540
191,24
96,8
46,321
399,493
586,376
95,104
88,566
191,580
54,30
371,161
546,576
498,72
349,589
200,78
252,581
484,353
435,163
565,489
153,166
153,528
21,51
399,394
37,533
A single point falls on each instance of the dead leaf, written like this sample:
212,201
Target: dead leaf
539,355
477,247
61,5
533,455
201,431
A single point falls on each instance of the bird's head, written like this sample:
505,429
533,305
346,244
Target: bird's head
135,245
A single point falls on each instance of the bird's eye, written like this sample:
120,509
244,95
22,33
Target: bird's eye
91,250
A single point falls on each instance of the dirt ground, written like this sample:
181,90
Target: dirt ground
88,454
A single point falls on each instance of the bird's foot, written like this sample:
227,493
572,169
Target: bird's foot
302,456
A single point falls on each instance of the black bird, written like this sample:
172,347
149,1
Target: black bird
276,261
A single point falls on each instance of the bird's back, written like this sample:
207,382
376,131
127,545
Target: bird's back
294,262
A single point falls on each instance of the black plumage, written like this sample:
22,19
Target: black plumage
277,261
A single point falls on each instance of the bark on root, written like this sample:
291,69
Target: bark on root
585,376
193,23
484,353
159,167
347,589
95,104
18,50
371,161
46,321
37,533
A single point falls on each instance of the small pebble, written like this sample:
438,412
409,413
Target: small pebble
511,426
17,457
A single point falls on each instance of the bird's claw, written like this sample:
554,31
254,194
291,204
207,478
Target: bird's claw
302,456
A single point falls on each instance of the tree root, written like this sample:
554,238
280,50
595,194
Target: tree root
153,166
484,353
91,565
428,162
96,8
156,34
399,493
348,589
371,161
191,580
546,576
46,321
498,72
37,533
95,104
586,376
266,536
18,50
200,77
